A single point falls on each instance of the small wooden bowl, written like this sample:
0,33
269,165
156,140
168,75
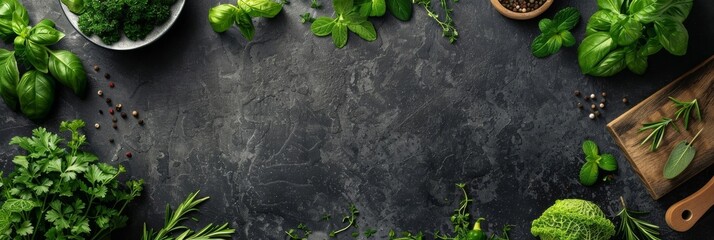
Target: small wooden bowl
520,16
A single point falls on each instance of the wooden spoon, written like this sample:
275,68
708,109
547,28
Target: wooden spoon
683,215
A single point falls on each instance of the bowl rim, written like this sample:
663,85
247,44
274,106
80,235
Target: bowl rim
155,34
520,16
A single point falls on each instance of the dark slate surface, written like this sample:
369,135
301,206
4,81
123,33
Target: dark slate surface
283,129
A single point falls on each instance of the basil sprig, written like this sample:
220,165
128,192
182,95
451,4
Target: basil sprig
555,33
594,162
349,17
223,16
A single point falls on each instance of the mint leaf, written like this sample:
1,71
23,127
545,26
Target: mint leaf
608,163
590,148
365,30
322,26
339,35
589,173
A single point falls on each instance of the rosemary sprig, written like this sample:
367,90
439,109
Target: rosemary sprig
658,130
635,229
447,25
685,110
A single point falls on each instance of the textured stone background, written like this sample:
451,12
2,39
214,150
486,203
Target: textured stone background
283,129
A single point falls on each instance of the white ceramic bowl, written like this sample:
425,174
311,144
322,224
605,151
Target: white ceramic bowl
124,43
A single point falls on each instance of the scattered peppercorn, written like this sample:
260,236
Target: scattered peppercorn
587,98
580,105
114,125
135,113
128,154
114,119
123,115
604,94
101,112
592,96
111,84
593,106
111,140
100,93
96,125
111,111
141,122
597,113
108,100
96,68
106,75
592,116
577,93
118,107
624,100
603,100
602,105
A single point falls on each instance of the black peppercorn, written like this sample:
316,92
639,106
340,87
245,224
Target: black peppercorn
123,115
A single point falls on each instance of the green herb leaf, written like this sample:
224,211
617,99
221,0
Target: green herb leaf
37,56
679,10
566,19
74,6
260,8
680,158
684,109
672,35
36,94
636,62
544,45
613,63
339,35
589,173
18,205
67,68
545,25
610,5
658,131
567,38
590,148
322,26
626,31
600,21
245,24
651,47
632,228
401,9
365,30
20,19
222,17
9,78
608,162
45,35
593,49
342,6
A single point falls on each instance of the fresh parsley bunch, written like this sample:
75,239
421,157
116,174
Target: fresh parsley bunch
594,162
33,94
223,16
622,34
57,191
555,33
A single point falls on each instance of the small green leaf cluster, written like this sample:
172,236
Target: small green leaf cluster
33,93
555,33
175,217
350,15
460,221
294,234
622,34
594,162
448,27
223,16
350,219
58,191
108,19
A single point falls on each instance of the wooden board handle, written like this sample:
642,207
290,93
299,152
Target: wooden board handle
684,214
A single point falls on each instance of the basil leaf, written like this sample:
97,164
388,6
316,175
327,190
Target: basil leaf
566,19
45,35
379,7
651,47
608,163
626,31
36,94
260,8
590,148
370,8
638,5
613,63
20,21
544,45
47,23
365,30
74,6
352,18
37,56
679,10
322,26
339,35
342,6
6,12
593,49
672,35
222,17
610,5
9,78
636,62
567,38
678,160
245,24
545,25
401,9
600,21
588,173
68,70
652,11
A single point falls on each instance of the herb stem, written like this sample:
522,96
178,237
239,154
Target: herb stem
695,136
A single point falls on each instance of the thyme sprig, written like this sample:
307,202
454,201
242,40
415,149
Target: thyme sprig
447,25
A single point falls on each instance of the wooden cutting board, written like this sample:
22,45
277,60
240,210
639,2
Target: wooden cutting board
697,83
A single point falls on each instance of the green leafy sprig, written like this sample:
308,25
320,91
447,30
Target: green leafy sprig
176,217
632,228
350,219
223,16
658,130
348,17
680,158
555,33
448,27
594,162
684,109
294,234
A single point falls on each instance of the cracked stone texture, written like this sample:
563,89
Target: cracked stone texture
286,128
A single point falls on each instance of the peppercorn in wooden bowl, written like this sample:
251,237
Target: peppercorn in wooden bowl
143,36
521,9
